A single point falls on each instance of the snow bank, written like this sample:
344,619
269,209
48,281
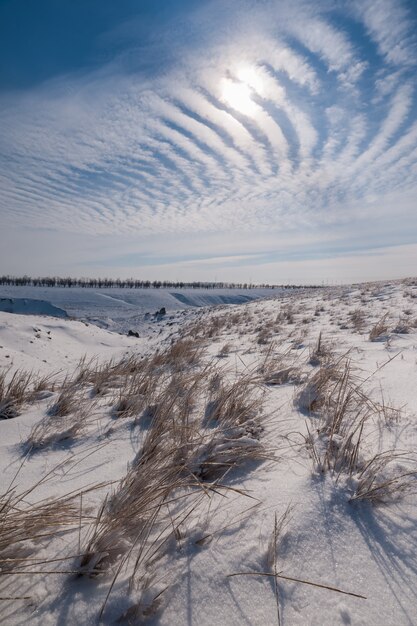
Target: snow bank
48,344
28,306
122,309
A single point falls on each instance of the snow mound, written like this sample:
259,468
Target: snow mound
29,306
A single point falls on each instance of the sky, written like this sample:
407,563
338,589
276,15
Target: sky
229,140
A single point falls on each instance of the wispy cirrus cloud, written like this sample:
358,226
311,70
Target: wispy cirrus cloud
271,118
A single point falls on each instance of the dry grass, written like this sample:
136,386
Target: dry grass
271,569
137,392
286,315
103,377
279,368
337,447
233,404
197,426
214,327
225,350
272,553
68,400
178,464
66,417
130,514
379,330
333,395
402,327
320,353
184,353
317,390
265,334
335,398
71,412
386,477
23,526
149,605
218,453
358,319
14,391
55,429
40,385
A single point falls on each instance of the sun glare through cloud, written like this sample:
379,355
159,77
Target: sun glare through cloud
238,96
239,93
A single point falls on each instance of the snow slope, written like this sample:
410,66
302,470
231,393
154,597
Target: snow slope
123,309
212,554
25,306
47,344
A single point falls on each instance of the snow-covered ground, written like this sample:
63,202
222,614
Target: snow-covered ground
122,309
252,464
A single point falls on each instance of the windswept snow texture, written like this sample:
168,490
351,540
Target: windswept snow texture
29,306
123,309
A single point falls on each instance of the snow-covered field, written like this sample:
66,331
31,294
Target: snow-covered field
251,464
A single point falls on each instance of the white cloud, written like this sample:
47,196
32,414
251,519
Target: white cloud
389,24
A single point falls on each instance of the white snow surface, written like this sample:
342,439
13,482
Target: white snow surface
360,547
120,309
30,306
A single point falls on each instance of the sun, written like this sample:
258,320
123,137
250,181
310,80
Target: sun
238,96
238,93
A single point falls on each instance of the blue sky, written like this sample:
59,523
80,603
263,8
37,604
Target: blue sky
200,139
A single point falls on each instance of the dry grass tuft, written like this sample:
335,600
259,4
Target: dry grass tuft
402,327
317,390
216,454
148,606
386,477
103,377
336,399
321,352
337,445
279,368
54,429
66,417
358,319
233,404
285,315
225,350
23,525
41,385
67,401
379,331
264,336
214,327
137,392
13,392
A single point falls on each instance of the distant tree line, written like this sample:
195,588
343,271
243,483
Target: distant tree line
130,283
